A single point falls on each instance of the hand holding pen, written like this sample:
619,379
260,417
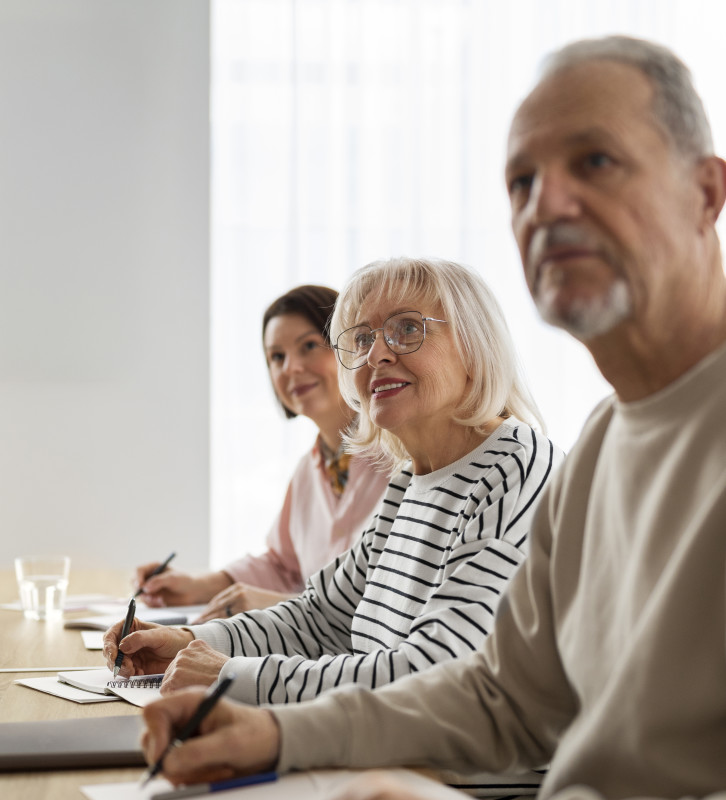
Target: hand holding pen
156,571
128,622
233,740
209,701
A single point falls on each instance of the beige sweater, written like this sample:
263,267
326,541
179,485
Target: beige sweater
609,653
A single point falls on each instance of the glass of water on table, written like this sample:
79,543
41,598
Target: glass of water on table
42,582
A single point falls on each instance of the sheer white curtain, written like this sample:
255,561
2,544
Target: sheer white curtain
349,130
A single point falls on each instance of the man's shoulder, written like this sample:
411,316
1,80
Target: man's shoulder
595,425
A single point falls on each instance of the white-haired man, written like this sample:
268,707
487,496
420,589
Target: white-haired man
608,657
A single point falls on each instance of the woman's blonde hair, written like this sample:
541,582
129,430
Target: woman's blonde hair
480,334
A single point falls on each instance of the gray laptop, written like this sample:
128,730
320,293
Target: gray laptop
71,743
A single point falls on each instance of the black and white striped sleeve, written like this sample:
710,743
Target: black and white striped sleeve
396,604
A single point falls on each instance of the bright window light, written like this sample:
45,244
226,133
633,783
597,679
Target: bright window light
349,130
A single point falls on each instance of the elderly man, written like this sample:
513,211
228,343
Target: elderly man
608,657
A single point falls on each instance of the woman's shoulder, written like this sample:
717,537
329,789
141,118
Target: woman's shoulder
518,436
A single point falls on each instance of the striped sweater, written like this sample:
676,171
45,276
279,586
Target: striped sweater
421,586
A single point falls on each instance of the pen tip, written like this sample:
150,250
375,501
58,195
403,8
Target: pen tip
116,671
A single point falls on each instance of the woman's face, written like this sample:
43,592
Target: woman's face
302,368
416,395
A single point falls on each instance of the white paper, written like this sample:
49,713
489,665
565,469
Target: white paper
316,785
98,680
53,686
92,640
144,612
126,791
73,602
89,680
137,696
107,615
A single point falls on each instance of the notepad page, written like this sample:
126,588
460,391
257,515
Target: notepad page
51,685
92,680
101,681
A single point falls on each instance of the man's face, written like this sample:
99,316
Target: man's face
604,210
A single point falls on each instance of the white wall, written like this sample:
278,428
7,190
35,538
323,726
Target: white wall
104,279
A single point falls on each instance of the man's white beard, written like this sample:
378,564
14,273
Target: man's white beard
589,317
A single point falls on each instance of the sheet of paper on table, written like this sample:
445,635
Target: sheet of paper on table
74,602
315,785
92,640
52,685
91,687
106,615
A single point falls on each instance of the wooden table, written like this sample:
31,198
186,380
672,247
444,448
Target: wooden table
28,643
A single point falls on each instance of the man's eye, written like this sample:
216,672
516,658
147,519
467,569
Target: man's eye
598,160
520,183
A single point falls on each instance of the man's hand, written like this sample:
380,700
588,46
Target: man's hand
234,739
148,649
237,598
197,664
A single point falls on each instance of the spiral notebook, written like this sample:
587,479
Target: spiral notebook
139,690
97,686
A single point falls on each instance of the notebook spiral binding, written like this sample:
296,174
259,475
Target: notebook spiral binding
142,682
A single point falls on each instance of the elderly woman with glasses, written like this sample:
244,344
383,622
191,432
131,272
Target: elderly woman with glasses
427,361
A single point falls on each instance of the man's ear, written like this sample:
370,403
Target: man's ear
711,177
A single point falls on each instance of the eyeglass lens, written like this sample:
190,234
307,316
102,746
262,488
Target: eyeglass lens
403,333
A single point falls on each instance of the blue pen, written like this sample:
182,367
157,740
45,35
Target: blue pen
219,786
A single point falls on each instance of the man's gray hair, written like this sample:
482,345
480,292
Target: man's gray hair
677,106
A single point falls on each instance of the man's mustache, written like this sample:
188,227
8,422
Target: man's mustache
559,234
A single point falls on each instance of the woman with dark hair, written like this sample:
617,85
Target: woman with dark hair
331,495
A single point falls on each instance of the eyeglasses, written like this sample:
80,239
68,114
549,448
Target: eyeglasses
403,333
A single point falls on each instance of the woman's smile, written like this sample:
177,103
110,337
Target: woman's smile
387,387
298,391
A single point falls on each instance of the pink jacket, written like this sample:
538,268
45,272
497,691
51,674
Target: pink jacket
313,526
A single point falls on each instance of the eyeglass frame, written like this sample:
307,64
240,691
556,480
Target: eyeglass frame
337,348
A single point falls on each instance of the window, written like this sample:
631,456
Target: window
349,130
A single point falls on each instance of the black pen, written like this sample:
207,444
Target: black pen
211,698
124,632
159,569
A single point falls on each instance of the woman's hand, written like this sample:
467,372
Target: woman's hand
173,588
234,739
237,598
148,649
197,664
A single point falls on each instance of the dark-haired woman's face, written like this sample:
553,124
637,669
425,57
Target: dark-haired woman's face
302,367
